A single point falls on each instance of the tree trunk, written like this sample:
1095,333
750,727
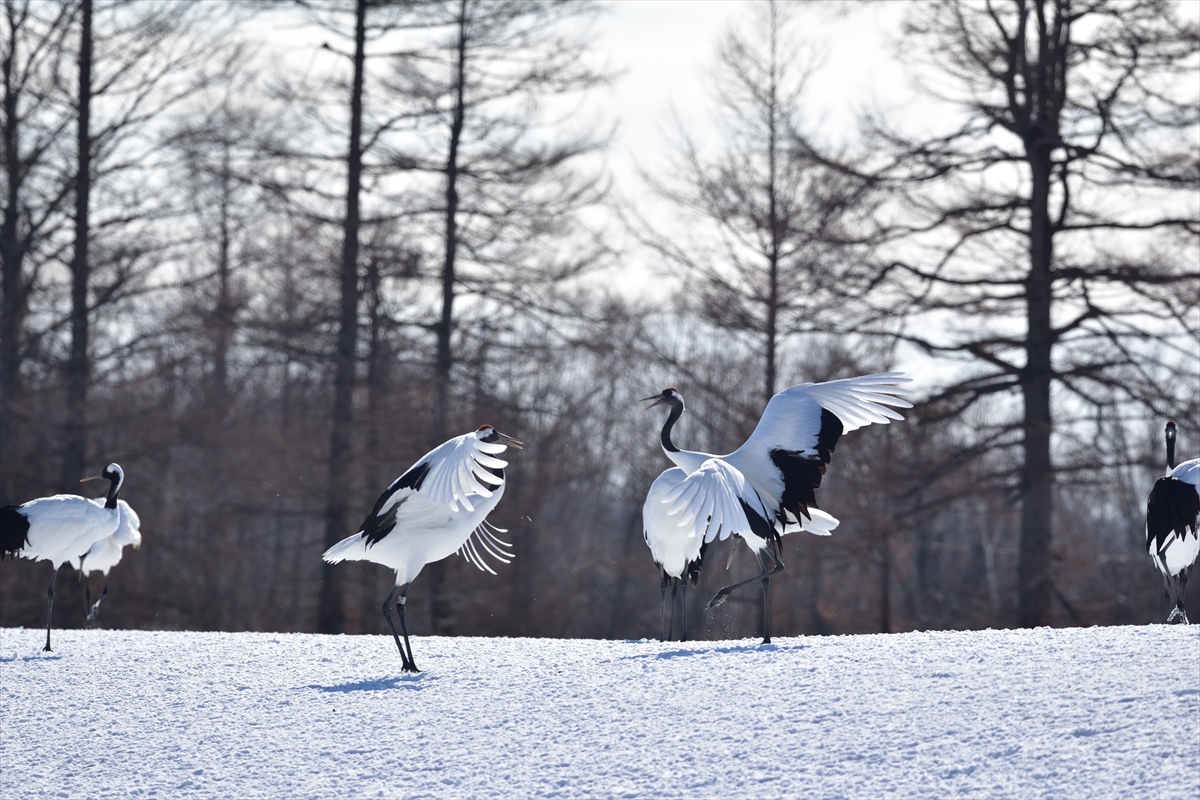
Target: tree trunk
445,327
1037,474
14,302
224,311
440,611
330,613
75,428
773,220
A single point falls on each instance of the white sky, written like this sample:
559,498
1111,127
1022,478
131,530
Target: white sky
665,52
666,49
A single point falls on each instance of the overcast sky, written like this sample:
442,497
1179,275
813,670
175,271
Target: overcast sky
665,51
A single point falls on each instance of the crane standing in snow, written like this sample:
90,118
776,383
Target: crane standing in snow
436,508
59,528
106,554
1173,524
765,488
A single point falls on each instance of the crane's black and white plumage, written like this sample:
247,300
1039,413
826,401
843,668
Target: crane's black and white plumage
106,554
1173,524
437,508
765,488
60,528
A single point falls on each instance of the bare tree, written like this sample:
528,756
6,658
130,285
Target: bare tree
36,190
488,99
765,245
1053,217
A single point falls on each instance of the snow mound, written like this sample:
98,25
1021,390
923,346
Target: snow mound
1096,712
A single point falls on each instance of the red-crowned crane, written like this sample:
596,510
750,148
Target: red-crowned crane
765,488
1173,524
106,554
59,528
436,508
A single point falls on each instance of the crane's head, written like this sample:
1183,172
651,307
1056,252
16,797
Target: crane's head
669,396
486,433
112,472
1170,430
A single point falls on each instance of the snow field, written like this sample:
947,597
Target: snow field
1081,713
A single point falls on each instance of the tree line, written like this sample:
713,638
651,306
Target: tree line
266,254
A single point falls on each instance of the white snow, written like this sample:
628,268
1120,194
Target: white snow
1079,713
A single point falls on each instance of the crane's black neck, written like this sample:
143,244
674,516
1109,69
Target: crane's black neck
1170,449
672,418
114,488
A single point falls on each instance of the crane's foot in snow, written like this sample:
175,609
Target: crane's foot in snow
717,600
1179,616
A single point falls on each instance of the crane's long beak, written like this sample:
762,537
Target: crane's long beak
510,441
96,477
657,398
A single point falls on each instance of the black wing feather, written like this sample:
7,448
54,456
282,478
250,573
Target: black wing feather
1172,508
377,525
14,531
802,472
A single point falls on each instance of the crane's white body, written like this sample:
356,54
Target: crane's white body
764,489
438,515
106,553
437,507
1180,549
710,496
62,527
426,531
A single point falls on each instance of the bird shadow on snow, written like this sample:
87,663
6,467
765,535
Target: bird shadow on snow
701,650
42,657
411,682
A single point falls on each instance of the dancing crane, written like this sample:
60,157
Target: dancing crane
1173,524
436,508
59,528
106,554
764,489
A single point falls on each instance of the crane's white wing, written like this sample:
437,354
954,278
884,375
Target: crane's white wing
1188,472
713,502
106,553
673,548
128,530
454,472
483,543
784,459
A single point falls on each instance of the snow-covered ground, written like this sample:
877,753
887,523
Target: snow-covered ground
1078,713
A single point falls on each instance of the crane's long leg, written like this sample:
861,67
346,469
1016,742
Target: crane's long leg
387,614
766,588
684,581
662,589
95,609
1183,576
1176,586
674,595
400,605
766,575
50,608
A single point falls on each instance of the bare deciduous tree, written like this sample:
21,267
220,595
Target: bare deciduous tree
1052,221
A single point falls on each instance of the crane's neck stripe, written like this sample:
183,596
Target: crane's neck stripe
672,418
114,489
